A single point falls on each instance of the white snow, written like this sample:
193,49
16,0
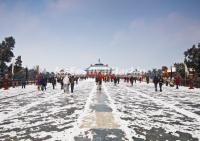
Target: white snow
137,107
141,101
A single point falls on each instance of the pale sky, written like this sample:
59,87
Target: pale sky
123,33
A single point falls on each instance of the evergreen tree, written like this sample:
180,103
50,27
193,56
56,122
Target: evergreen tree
192,58
6,53
18,70
180,68
18,62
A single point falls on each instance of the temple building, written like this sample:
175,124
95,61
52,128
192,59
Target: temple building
93,70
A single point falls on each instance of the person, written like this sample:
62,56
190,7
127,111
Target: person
177,80
112,78
71,80
66,83
118,79
128,79
61,83
135,79
131,80
147,79
161,83
43,83
99,78
96,80
115,80
39,81
23,82
140,79
191,82
155,81
53,82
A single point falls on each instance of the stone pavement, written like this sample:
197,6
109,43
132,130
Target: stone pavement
99,123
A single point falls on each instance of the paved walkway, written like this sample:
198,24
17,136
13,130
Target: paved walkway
99,123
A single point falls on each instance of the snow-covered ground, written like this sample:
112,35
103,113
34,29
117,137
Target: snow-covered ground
168,115
135,113
39,116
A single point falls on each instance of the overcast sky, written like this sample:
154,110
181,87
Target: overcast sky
123,33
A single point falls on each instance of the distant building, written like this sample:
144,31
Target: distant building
93,70
136,73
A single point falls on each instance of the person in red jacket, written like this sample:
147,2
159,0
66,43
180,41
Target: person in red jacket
177,80
99,80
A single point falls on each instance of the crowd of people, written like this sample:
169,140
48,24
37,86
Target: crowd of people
106,78
68,81
158,81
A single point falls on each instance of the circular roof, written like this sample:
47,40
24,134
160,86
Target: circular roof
95,67
99,67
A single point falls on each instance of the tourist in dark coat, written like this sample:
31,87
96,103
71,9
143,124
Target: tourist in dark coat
53,82
71,80
96,80
147,79
131,80
155,81
118,79
115,80
61,83
23,82
161,81
44,83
